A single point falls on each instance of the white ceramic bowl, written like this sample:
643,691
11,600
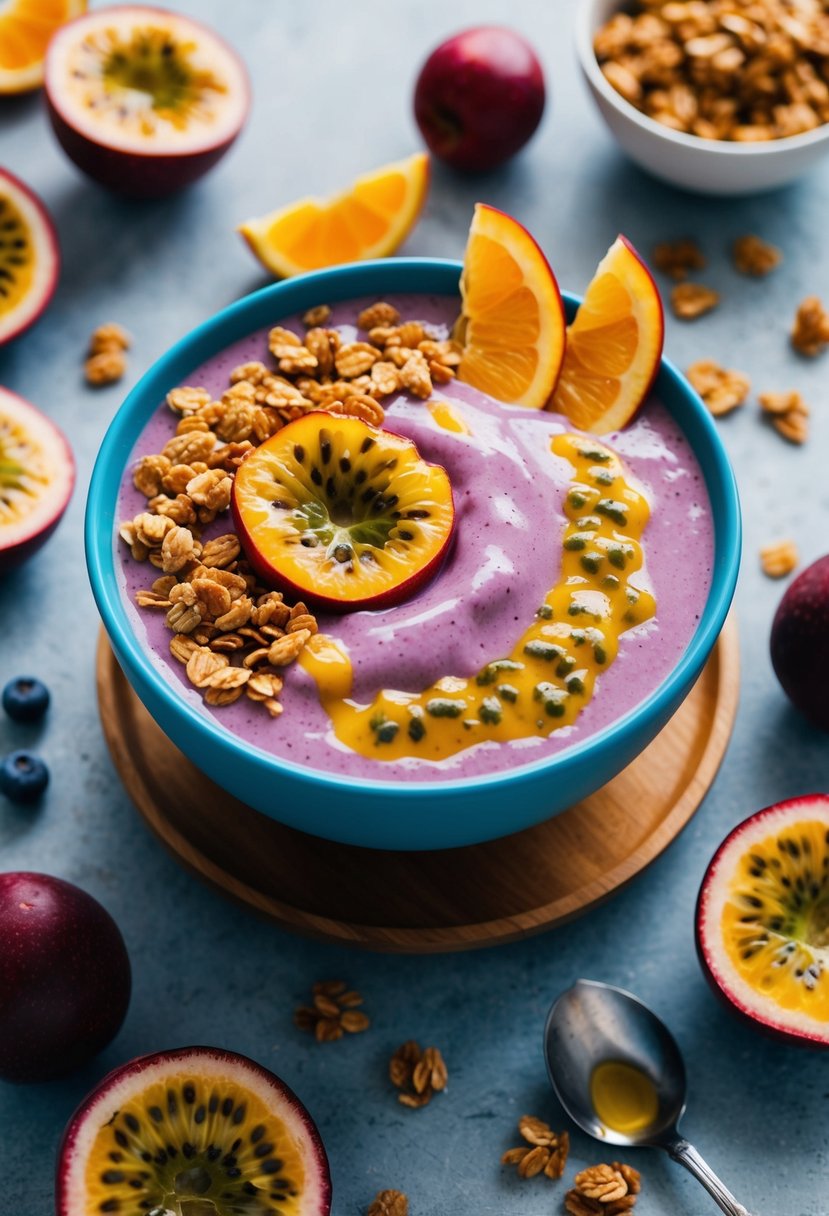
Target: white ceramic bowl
708,166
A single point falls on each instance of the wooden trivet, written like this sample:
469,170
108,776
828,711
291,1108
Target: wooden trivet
456,899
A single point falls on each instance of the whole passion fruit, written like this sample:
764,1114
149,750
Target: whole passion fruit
196,1130
800,643
37,476
341,514
64,977
144,100
762,922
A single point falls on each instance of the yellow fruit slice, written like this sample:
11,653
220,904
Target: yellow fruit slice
512,324
25,29
614,345
370,219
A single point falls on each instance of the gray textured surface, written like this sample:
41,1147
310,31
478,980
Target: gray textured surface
332,98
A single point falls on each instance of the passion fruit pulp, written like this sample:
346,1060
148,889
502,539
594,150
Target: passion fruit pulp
143,100
37,475
342,514
762,922
29,257
196,1130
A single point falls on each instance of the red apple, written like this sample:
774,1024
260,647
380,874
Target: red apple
144,100
64,977
479,97
800,643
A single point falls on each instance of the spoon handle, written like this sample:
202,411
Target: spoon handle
687,1155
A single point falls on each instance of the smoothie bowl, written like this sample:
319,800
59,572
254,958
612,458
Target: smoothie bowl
560,594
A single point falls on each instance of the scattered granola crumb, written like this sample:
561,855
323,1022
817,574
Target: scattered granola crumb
788,413
388,1203
418,1074
779,558
810,334
547,1153
754,256
692,300
106,361
678,258
334,1012
609,1189
722,389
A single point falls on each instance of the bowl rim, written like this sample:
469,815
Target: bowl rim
586,24
270,304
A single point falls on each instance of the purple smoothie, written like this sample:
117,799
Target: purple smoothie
506,554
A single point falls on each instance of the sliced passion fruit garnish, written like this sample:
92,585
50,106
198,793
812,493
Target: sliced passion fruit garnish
29,258
195,1130
144,100
37,473
342,514
763,919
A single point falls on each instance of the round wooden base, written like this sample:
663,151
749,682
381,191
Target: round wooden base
456,899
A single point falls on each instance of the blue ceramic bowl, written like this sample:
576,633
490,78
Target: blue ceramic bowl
389,814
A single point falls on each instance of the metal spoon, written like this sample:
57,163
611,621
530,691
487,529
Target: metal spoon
592,1023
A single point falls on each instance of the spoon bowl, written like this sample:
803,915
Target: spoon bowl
594,1024
591,1024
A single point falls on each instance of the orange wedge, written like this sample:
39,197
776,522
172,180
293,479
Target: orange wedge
614,345
370,219
25,29
512,325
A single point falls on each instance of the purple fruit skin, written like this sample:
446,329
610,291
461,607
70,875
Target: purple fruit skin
64,977
800,643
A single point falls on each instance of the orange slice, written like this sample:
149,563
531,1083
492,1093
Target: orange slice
370,219
25,29
512,325
614,345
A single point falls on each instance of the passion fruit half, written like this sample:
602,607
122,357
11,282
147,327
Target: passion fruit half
144,100
341,514
762,922
37,475
29,257
196,1130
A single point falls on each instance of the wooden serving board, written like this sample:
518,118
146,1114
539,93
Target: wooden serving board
456,899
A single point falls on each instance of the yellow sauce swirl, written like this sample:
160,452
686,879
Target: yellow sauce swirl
549,675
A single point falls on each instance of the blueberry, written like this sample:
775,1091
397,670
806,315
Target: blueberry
23,777
25,699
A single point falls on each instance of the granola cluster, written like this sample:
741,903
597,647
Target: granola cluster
234,636
788,414
605,1189
418,1074
692,300
106,359
779,559
810,334
545,1151
388,1203
334,1011
743,70
722,389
